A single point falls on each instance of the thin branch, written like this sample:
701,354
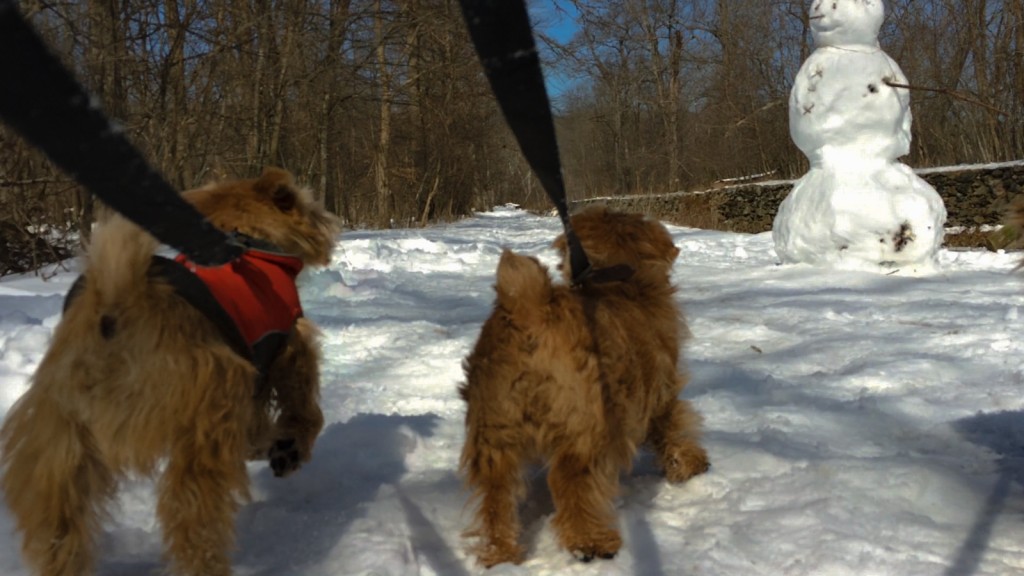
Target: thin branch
952,93
28,182
764,108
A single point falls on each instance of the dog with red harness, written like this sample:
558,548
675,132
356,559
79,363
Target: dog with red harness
160,365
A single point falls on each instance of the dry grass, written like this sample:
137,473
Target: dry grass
691,210
969,238
698,211
1007,237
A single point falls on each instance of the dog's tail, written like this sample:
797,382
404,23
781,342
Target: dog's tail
523,283
118,257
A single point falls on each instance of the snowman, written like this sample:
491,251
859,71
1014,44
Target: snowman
857,207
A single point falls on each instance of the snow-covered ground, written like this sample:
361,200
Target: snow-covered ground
857,423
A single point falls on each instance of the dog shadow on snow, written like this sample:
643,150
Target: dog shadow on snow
296,522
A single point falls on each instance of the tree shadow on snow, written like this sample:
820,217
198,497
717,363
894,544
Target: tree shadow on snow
303,517
1003,434
638,489
428,541
536,508
869,418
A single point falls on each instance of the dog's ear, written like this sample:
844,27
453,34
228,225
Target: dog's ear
279,185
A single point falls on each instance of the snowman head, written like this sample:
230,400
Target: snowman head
846,22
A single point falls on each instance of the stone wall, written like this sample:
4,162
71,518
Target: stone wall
974,195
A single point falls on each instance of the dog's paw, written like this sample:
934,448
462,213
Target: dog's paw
603,544
588,555
284,457
685,463
494,554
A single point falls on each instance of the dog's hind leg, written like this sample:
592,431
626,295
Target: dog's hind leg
205,479
675,437
583,488
295,377
495,475
55,483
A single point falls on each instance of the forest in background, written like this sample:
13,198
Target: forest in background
381,107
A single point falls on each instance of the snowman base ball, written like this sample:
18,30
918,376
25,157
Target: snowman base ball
883,220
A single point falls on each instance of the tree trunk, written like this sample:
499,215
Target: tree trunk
105,55
380,163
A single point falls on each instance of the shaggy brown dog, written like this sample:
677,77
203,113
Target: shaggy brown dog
578,378
137,379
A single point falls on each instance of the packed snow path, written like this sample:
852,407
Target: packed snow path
857,423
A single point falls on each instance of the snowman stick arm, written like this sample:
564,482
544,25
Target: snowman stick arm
951,93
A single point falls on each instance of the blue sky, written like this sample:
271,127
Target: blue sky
556,18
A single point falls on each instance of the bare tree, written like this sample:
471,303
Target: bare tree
382,107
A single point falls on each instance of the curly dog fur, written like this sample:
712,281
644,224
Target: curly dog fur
577,378
137,380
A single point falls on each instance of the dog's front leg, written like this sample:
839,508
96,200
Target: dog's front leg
583,488
295,377
675,437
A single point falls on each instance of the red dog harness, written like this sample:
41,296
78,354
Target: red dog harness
252,300
257,291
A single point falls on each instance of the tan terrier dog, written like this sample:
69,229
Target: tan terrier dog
577,378
152,371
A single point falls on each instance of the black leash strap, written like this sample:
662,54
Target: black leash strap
501,32
43,102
